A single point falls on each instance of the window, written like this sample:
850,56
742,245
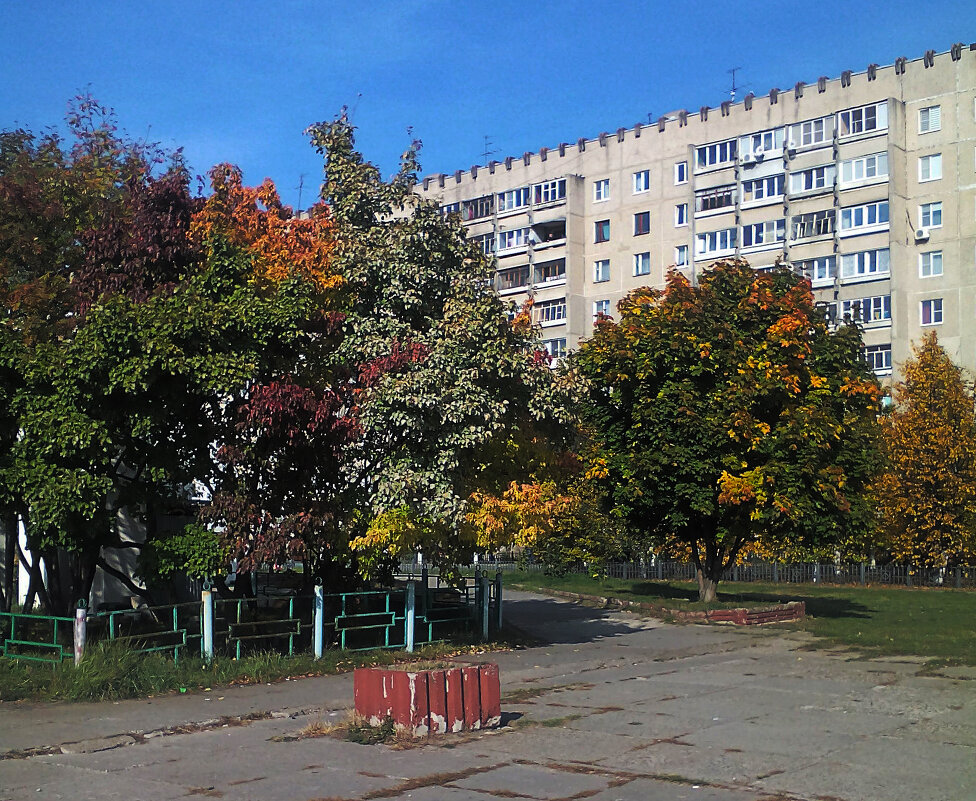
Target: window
512,279
681,214
550,312
930,119
549,191
549,271
681,173
932,311
601,190
715,241
681,256
759,144
517,238
601,231
601,308
864,119
601,271
642,181
513,199
486,242
930,215
930,167
811,132
764,233
715,154
930,264
816,223
642,223
556,348
876,309
819,270
812,179
878,358
865,264
763,188
642,264
450,208
713,199
870,215
478,208
865,168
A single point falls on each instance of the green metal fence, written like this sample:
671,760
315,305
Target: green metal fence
400,617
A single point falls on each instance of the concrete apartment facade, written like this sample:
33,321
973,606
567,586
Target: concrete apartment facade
866,184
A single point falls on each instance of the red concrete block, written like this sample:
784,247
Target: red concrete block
437,701
471,684
453,687
491,698
410,709
368,694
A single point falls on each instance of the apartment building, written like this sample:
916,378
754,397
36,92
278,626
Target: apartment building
865,183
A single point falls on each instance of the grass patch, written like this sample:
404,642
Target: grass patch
111,671
938,624
359,731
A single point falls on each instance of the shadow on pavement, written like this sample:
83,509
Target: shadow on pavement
552,621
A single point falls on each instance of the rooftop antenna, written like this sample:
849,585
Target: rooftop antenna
488,151
352,112
733,71
301,185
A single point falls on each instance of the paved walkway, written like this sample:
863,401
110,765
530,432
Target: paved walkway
612,708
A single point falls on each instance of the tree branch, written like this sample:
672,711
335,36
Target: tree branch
126,581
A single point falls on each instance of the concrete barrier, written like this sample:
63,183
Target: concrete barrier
434,701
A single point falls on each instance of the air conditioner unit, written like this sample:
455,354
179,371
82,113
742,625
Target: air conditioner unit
759,152
791,148
748,158
922,235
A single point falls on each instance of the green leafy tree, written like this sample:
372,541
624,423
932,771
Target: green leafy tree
927,494
727,415
449,393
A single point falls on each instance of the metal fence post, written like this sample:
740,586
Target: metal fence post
425,579
660,569
908,575
484,606
776,572
81,629
863,577
410,615
207,643
958,572
318,621
498,601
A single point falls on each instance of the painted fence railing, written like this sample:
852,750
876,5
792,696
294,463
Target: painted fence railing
380,619
768,572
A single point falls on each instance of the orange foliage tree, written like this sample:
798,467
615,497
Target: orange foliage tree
281,245
728,414
927,496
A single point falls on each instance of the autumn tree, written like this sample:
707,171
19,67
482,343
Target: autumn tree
927,494
728,413
449,393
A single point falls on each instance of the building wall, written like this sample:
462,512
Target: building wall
565,228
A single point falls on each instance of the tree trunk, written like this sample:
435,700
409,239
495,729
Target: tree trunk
8,530
707,587
709,574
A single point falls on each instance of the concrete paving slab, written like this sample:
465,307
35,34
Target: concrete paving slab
659,790
534,781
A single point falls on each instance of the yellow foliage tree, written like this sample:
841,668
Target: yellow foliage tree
927,496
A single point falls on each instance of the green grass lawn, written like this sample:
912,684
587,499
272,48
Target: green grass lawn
938,624
110,671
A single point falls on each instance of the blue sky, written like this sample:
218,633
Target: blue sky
240,81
